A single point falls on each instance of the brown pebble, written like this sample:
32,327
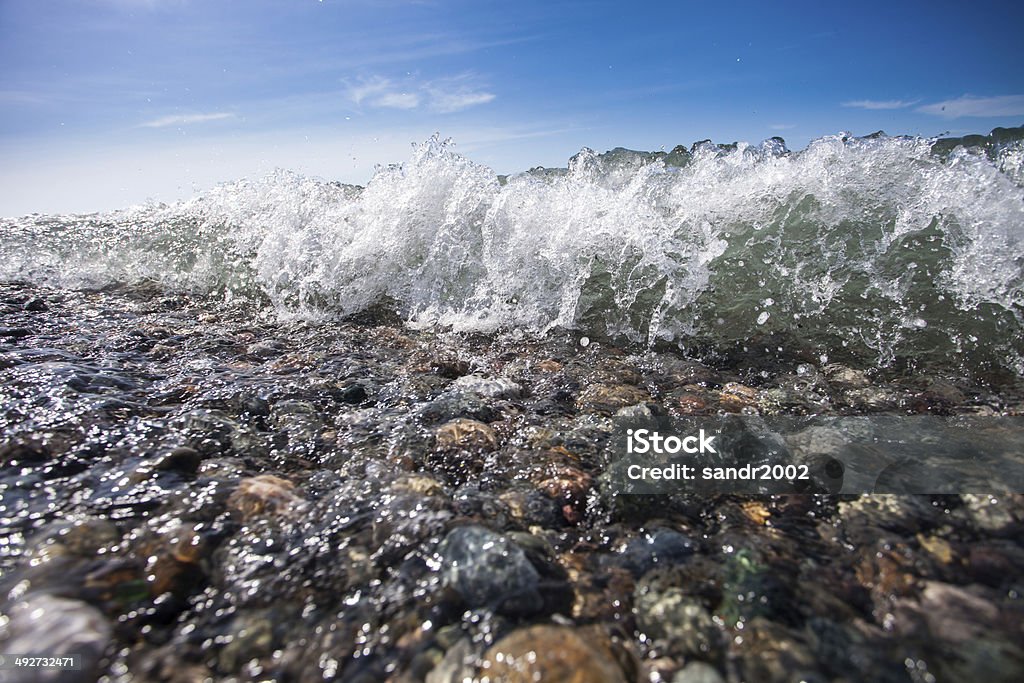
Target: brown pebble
552,653
607,398
735,396
466,434
569,486
264,494
691,404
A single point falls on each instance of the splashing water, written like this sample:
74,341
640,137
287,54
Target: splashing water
872,247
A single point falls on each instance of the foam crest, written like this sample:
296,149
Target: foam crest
875,246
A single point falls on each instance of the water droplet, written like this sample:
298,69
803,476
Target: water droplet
584,342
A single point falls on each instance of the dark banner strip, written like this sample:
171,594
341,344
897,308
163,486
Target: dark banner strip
865,454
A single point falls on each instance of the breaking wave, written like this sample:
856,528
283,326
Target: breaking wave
880,247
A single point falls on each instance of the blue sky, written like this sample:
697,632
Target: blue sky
105,103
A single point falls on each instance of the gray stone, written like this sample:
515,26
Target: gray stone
639,410
698,672
47,625
847,377
992,513
458,665
898,513
498,387
658,548
489,570
680,621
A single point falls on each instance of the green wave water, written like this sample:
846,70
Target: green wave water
882,249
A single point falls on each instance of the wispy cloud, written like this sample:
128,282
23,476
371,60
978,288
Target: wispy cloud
186,119
398,100
443,95
969,105
457,101
782,126
381,92
880,104
456,93
368,88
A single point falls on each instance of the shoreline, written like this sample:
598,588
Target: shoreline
224,498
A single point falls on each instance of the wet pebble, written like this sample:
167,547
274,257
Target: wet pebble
656,548
267,348
457,666
846,377
457,405
490,388
772,653
14,332
446,366
698,672
466,434
182,459
530,507
42,624
423,484
1000,514
908,514
734,397
265,494
568,486
680,623
489,571
552,653
871,398
36,305
962,619
608,398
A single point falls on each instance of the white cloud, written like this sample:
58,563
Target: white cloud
880,104
398,100
447,102
969,105
782,126
443,96
186,119
456,93
381,92
369,88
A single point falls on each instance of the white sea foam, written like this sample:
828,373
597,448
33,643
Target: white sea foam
852,242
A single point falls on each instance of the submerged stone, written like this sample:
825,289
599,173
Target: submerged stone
680,621
698,672
265,494
608,398
466,434
46,625
490,388
552,653
658,548
489,571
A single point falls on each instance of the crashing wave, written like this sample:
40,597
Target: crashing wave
879,246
